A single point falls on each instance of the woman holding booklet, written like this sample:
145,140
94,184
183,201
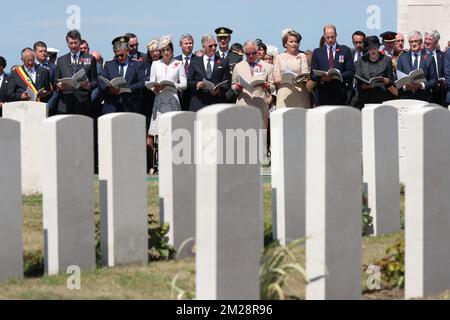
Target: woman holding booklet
167,77
374,75
291,71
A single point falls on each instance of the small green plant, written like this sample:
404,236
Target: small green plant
33,264
98,250
278,262
158,246
392,266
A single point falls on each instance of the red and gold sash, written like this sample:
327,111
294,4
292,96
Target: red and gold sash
26,78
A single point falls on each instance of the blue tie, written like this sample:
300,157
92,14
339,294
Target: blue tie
416,61
121,68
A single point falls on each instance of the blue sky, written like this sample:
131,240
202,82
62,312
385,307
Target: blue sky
28,21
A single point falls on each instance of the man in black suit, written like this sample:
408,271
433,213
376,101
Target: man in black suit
29,77
212,68
40,51
413,60
432,38
357,52
134,73
332,55
186,56
76,101
133,48
4,79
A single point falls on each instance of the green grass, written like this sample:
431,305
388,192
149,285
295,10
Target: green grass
154,280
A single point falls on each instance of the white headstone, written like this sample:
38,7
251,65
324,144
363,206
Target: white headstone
11,261
427,204
30,115
123,188
229,224
403,107
333,203
177,178
380,166
68,188
288,128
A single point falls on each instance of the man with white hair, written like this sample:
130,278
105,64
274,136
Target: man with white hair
212,68
29,79
259,95
431,41
413,60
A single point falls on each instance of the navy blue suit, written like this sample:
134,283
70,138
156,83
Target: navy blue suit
135,76
333,92
438,95
427,64
447,74
197,72
186,95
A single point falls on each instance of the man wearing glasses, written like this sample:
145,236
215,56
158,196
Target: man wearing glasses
208,68
223,38
134,73
133,45
413,60
258,95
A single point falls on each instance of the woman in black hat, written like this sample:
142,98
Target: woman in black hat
375,79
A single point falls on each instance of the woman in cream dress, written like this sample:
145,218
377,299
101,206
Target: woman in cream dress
291,94
166,96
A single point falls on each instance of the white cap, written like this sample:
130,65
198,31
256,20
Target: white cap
52,50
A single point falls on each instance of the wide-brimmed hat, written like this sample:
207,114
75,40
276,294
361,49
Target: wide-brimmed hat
371,42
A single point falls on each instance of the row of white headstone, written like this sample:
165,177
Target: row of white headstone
316,182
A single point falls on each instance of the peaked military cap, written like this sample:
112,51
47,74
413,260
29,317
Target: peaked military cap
223,32
388,36
123,39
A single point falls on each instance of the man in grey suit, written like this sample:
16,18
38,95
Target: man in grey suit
76,101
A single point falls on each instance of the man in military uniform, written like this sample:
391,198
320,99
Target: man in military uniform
388,38
389,42
223,35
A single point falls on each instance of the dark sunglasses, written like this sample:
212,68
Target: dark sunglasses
212,45
250,53
120,55
134,45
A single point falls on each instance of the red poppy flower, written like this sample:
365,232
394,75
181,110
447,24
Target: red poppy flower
217,61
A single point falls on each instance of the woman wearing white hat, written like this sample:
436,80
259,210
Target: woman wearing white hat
170,70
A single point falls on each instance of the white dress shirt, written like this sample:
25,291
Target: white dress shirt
205,61
334,50
183,59
223,55
32,73
1,78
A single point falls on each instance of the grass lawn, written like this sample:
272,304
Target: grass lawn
154,280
